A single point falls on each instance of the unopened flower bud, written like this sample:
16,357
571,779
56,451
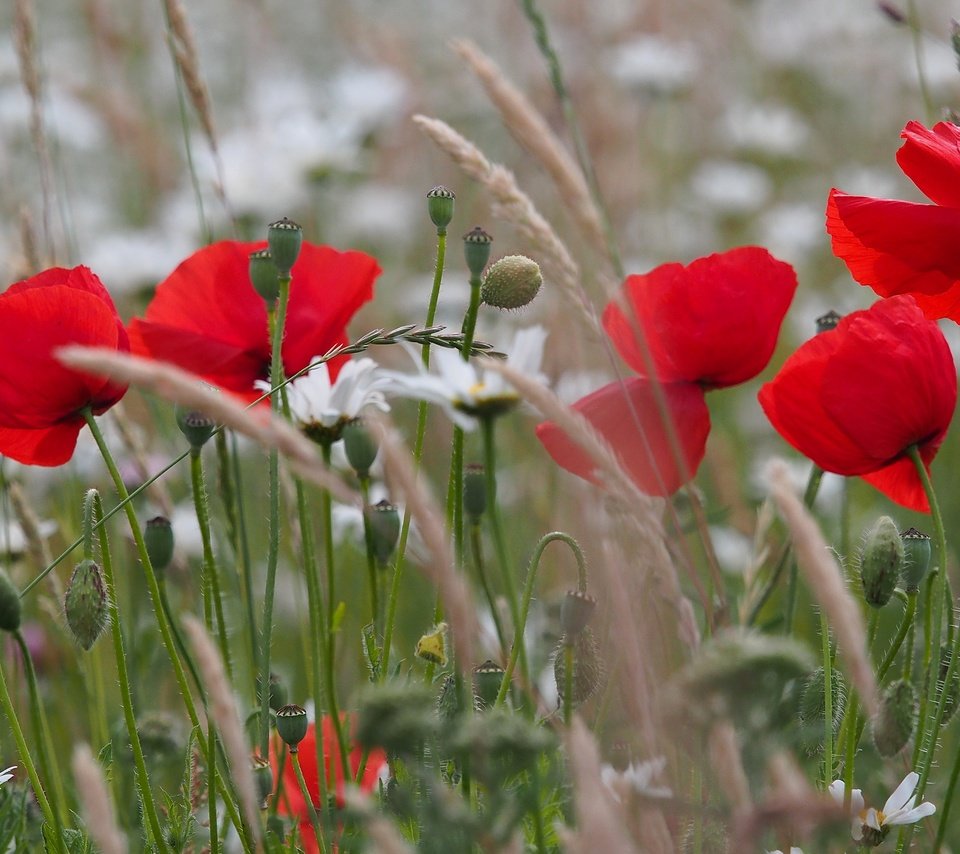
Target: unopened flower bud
263,776
384,521
487,679
896,720
813,707
440,207
828,321
158,536
588,668
292,725
511,282
278,692
360,447
432,646
575,612
9,604
880,562
476,250
263,275
85,603
197,428
916,558
474,491
285,238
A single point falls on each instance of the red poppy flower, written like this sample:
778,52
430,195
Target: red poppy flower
41,401
708,325
904,247
207,318
856,398
291,800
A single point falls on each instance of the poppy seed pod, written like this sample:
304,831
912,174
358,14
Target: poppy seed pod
196,427
384,521
285,238
896,720
158,536
292,725
360,447
916,558
511,282
487,679
263,275
440,207
10,609
474,491
880,562
85,603
476,250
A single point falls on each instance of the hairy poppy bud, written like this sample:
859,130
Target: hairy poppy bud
511,282
575,612
813,707
588,668
158,535
432,646
384,521
880,562
440,207
916,558
263,275
9,604
896,720
85,603
196,427
360,447
292,725
476,250
285,238
474,491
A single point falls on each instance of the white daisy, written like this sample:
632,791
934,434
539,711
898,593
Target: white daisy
637,777
872,825
7,774
466,393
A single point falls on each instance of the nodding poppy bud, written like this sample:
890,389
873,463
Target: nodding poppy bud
9,604
916,559
263,775
575,612
511,282
476,250
292,725
285,238
197,428
360,447
474,491
263,275
85,603
828,321
487,679
896,720
158,537
588,667
432,646
880,562
440,207
384,521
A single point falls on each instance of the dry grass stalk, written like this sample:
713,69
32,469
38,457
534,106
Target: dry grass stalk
184,49
28,244
533,133
384,836
511,204
95,802
178,386
458,604
825,579
728,766
36,545
223,710
138,453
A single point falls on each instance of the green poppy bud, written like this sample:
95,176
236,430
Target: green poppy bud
916,558
360,447
511,282
263,275
474,491
285,238
85,603
575,612
292,725
812,707
896,720
158,535
278,692
440,207
263,776
9,604
384,522
476,250
196,427
588,668
487,679
880,562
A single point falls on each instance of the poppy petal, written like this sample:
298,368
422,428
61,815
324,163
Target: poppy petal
713,322
626,415
50,446
931,159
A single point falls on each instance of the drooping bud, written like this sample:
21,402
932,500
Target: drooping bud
476,250
951,691
158,536
278,692
474,491
916,559
487,679
263,776
432,646
511,282
85,603
828,321
292,725
285,237
197,428
896,720
263,275
588,668
575,612
384,521
440,207
360,447
880,562
10,610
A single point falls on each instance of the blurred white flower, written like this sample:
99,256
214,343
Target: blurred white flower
7,774
730,187
13,540
655,65
793,850
637,777
873,824
765,128
466,393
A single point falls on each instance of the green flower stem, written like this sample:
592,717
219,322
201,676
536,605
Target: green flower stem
534,565
26,759
123,679
314,819
947,802
211,575
372,572
212,785
470,319
827,700
476,546
435,293
277,318
568,664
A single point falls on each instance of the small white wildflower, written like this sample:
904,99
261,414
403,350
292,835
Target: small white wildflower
637,777
7,774
655,65
872,825
793,850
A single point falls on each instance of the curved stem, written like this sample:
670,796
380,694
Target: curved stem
470,319
476,546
